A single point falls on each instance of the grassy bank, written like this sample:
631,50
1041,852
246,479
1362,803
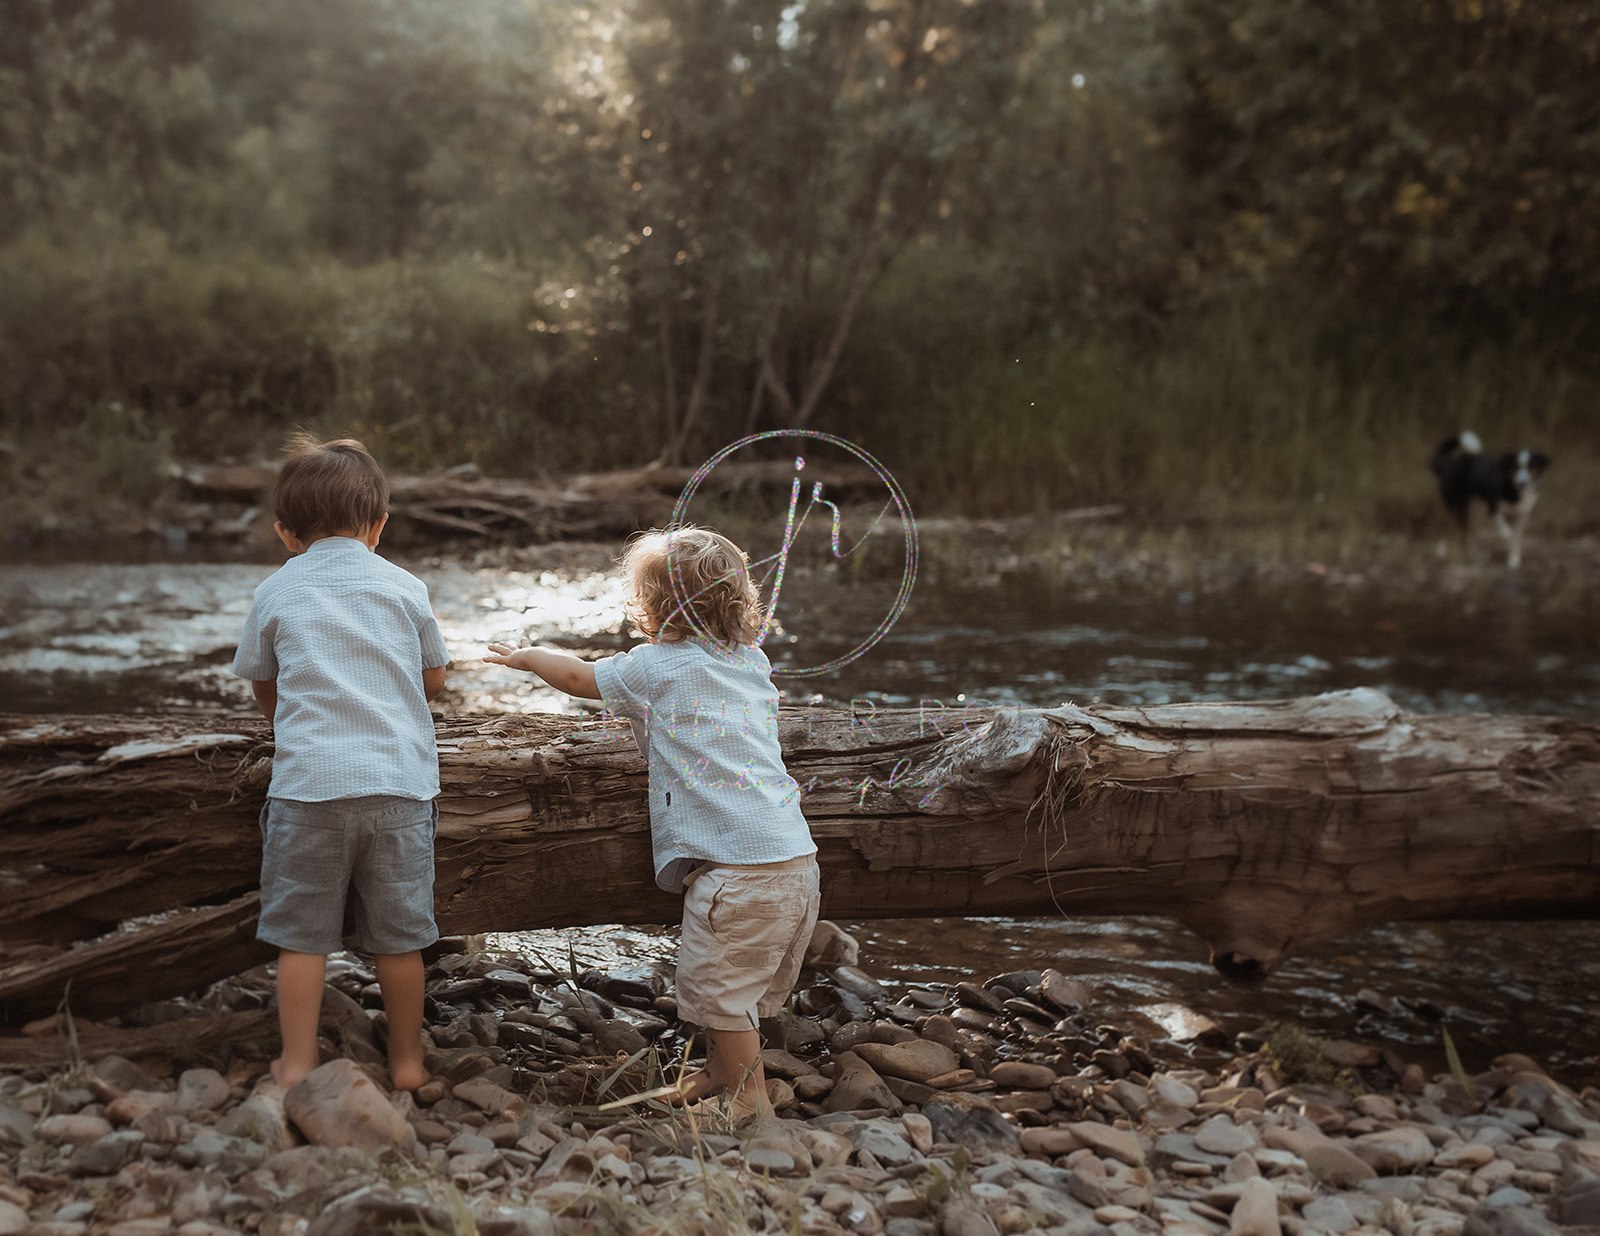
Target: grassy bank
1253,415
1261,413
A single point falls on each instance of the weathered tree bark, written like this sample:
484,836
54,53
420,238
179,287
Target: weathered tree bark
182,1037
129,849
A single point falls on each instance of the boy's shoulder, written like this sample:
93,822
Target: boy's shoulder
371,569
382,568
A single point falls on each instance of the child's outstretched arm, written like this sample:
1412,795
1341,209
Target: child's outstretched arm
565,671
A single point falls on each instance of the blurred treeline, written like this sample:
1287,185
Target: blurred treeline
1203,256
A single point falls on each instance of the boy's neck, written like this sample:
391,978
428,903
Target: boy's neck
367,536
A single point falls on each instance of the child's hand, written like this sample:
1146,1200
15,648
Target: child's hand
563,670
502,653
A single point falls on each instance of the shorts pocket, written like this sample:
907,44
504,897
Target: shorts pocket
748,903
766,960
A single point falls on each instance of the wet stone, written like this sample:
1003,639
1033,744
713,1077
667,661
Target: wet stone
971,996
1019,1075
859,1087
781,1064
969,1122
974,1020
1029,1011
1069,995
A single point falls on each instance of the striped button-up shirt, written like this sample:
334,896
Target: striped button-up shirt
707,719
346,635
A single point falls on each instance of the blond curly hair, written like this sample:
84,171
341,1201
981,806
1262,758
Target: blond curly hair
689,581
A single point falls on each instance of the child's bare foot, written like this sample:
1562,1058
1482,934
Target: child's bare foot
287,1074
695,1086
749,1105
407,1072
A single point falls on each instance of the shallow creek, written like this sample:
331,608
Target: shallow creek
87,637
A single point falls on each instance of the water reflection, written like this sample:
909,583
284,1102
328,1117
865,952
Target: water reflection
80,638
1492,984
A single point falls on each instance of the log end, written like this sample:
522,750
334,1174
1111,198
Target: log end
1239,967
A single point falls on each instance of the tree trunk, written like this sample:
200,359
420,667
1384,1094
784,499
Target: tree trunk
1265,828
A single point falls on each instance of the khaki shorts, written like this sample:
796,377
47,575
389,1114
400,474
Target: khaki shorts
745,931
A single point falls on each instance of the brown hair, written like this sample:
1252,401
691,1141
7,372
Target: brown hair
686,581
325,488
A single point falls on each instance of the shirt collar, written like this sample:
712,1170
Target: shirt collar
337,544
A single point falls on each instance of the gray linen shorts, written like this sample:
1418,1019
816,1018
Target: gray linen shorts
745,931
360,868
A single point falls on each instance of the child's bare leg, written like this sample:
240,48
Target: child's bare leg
300,980
733,1062
400,978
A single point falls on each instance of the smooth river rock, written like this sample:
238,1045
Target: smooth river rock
858,1087
1394,1151
1330,1161
916,1060
1256,1211
339,1105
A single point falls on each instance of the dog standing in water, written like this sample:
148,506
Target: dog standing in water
1509,480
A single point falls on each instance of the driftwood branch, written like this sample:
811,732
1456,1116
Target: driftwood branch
234,500
129,850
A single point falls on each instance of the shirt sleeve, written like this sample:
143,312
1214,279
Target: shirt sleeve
434,653
624,680
255,658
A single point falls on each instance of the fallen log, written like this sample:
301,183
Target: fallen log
58,1044
129,849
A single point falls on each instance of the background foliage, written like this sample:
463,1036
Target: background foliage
1213,258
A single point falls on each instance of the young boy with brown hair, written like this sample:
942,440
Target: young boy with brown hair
725,821
343,652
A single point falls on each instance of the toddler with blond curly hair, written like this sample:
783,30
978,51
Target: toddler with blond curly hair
725,822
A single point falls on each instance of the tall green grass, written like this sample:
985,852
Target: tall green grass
1250,411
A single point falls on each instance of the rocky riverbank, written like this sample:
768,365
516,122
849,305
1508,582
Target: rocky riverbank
1015,1105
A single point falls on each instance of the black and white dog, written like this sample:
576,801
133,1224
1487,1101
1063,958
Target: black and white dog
1510,480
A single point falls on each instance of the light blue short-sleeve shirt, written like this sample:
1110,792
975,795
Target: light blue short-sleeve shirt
707,718
346,635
